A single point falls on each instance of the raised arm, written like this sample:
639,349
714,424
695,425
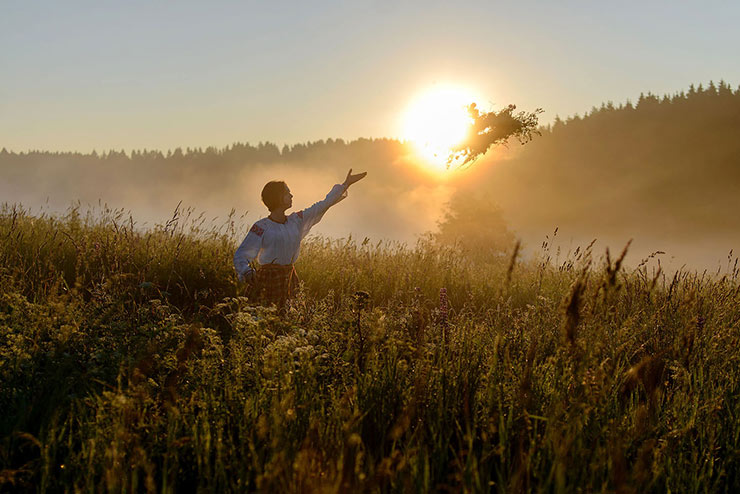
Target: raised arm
312,215
247,253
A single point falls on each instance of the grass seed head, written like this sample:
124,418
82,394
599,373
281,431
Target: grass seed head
573,311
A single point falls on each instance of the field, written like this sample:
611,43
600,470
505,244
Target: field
130,362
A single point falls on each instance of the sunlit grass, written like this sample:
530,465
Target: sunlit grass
130,362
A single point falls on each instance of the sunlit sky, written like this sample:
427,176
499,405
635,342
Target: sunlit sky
142,74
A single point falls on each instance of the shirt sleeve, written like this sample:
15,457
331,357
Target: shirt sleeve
248,251
311,216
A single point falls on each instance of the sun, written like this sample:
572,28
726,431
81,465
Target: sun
437,120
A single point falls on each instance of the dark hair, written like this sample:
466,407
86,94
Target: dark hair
272,193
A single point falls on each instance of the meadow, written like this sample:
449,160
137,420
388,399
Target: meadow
130,361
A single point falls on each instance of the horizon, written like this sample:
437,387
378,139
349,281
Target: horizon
280,145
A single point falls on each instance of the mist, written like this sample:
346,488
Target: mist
664,173
394,203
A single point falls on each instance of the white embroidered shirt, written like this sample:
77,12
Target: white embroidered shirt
271,242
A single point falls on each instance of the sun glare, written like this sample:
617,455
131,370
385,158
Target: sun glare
436,121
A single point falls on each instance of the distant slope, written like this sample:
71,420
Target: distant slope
666,168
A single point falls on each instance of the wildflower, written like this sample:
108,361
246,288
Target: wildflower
443,304
360,299
443,316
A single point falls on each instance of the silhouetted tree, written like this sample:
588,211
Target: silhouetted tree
476,224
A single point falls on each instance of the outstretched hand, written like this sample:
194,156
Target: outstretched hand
353,178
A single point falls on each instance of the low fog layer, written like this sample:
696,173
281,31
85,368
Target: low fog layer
395,202
664,172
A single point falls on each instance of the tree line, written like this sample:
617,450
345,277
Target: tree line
667,167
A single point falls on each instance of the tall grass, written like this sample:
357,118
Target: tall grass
130,361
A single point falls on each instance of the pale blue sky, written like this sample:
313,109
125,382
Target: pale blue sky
142,74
